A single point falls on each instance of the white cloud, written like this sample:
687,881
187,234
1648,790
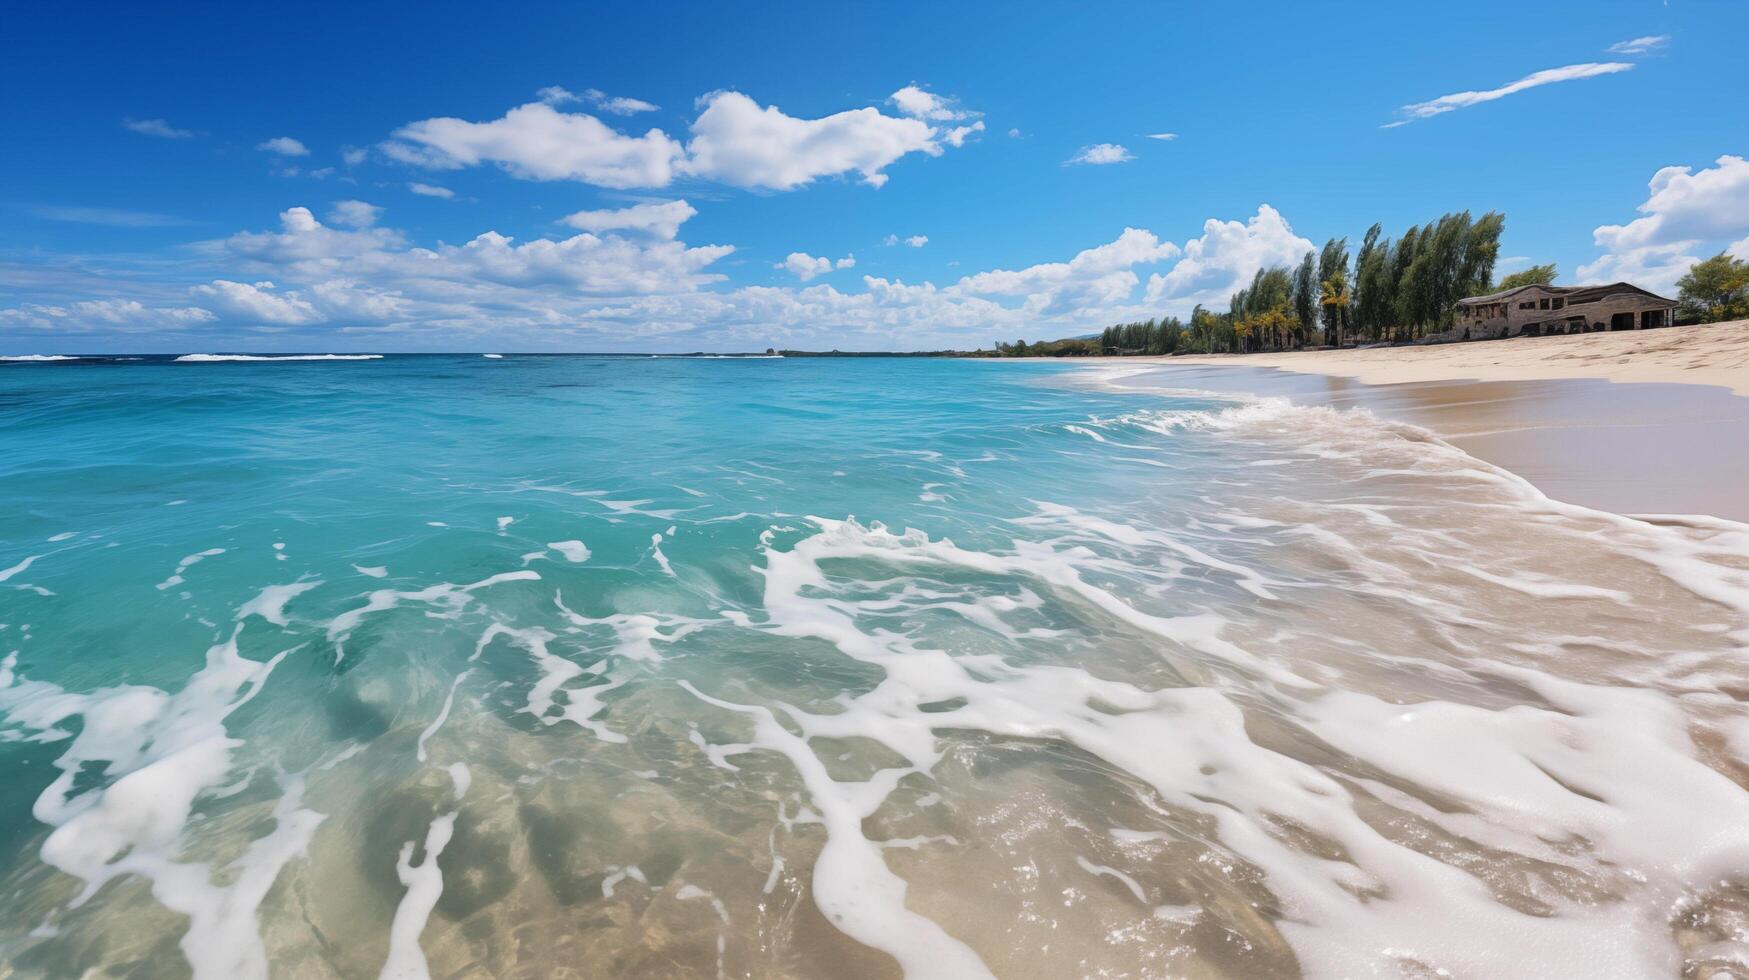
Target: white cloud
1101,153
1014,134
619,105
616,104
557,95
805,267
1168,137
118,315
1640,45
733,140
302,238
1686,214
1094,277
352,156
658,220
1461,100
430,190
156,127
317,286
920,104
915,241
956,136
537,142
257,303
354,214
1653,267
585,263
305,250
739,142
1225,258
285,146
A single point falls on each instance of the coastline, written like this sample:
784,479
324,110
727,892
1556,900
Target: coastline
1711,354
1627,423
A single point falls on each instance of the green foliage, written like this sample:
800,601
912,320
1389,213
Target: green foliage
1333,289
1536,275
1305,296
1391,290
1715,289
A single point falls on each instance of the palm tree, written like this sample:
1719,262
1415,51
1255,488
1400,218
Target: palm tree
1333,297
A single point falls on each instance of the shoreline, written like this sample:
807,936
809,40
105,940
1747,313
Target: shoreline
1710,354
1628,429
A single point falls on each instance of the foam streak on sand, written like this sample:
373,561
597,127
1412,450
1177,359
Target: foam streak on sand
162,750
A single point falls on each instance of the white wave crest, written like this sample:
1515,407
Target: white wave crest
217,358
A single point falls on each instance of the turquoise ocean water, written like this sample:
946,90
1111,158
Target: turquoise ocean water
604,666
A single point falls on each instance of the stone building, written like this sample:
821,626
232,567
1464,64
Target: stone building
1534,311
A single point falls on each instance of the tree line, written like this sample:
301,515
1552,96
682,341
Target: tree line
1389,289
1715,290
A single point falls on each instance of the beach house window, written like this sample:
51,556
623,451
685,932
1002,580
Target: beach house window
1559,302
1544,304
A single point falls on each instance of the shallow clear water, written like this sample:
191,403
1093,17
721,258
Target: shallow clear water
572,666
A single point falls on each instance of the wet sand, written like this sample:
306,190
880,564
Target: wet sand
1640,448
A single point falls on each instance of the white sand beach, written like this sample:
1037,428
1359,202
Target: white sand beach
1712,354
1637,422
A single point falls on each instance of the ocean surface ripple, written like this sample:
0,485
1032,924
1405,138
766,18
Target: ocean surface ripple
417,666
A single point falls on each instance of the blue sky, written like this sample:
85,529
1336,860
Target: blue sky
154,164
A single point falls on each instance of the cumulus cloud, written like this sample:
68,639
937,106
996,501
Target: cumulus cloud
805,267
658,220
354,214
918,103
256,303
1640,45
630,288
537,142
285,146
733,140
430,190
914,241
1224,258
309,251
302,238
1687,213
737,141
1462,100
1101,153
156,127
1094,277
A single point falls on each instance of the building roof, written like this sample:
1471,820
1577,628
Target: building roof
1573,293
